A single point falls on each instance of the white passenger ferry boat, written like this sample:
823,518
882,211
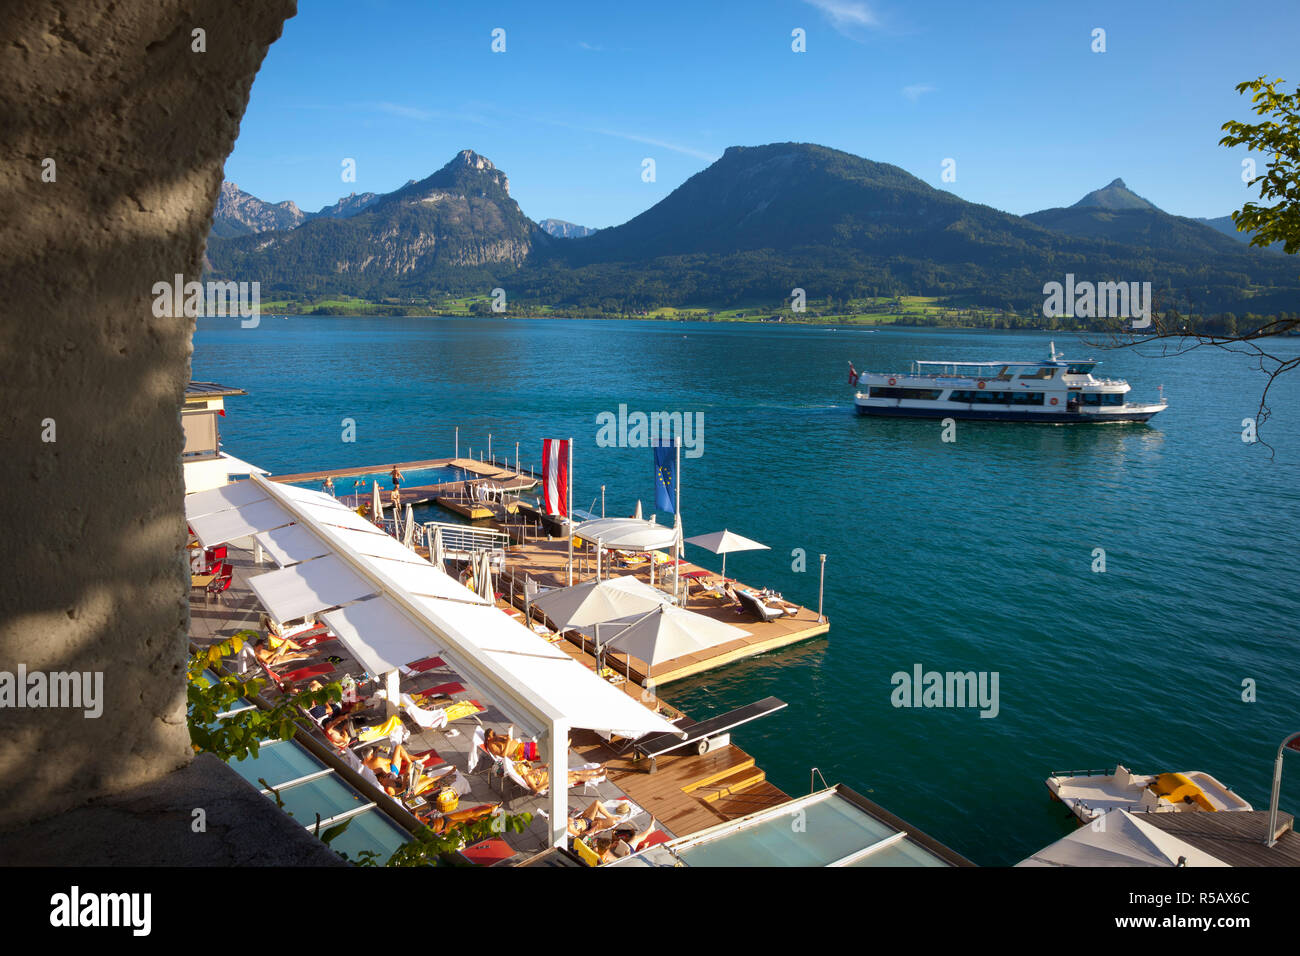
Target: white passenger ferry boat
1056,391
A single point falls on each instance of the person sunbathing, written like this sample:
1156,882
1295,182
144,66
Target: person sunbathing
538,776
449,821
338,729
320,712
627,841
504,745
286,653
396,761
591,820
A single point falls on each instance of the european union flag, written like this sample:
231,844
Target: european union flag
666,476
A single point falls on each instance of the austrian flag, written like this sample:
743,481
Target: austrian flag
555,475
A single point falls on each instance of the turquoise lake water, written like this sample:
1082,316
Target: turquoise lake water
971,555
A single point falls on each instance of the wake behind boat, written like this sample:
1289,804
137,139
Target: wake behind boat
1057,391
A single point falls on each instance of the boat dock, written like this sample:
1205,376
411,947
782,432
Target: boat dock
456,496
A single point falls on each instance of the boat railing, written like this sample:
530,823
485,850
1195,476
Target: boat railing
1083,773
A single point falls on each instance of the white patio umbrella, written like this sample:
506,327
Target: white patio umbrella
437,553
638,509
724,541
667,632
408,530
1120,838
483,575
596,602
378,514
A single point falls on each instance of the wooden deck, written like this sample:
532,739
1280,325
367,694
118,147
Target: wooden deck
546,562
452,495
1236,838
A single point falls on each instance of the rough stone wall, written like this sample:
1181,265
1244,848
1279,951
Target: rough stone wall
92,576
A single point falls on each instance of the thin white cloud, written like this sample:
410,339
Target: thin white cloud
847,16
915,92
631,137
684,150
406,112
423,115
591,46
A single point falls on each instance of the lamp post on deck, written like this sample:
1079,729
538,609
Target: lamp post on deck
821,590
1291,743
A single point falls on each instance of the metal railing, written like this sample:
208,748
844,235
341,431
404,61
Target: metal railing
463,541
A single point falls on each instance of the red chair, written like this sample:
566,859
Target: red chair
214,557
221,583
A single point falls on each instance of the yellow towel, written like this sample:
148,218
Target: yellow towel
461,709
386,729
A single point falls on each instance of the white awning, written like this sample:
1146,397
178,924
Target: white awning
306,588
377,545
309,497
222,526
380,636
291,544
222,499
528,679
340,518
545,671
424,580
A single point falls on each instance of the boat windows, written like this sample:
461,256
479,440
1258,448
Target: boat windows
1042,374
989,397
917,394
1081,368
1103,398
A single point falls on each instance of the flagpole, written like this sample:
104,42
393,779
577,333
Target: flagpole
570,502
677,487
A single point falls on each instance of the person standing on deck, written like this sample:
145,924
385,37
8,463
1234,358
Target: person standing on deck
329,486
397,477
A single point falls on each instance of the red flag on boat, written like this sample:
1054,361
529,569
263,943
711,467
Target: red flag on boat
555,475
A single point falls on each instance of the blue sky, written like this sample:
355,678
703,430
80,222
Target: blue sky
1012,91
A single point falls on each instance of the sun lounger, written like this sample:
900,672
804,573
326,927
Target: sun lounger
442,690
306,673
419,667
750,602
392,728
699,734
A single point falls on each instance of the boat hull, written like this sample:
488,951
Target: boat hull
1000,415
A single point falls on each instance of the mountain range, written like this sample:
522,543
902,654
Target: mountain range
749,228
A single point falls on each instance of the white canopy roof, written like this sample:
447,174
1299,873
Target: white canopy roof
380,635
291,544
309,587
538,688
545,671
222,526
1120,838
535,685
341,518
627,533
222,499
